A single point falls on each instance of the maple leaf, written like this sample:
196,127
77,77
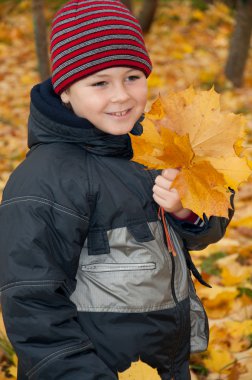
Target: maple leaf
219,360
219,300
202,193
232,272
189,131
139,371
233,336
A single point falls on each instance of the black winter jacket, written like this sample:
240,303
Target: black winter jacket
87,283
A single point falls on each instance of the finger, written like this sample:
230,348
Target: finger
165,194
168,205
160,192
160,201
170,174
163,182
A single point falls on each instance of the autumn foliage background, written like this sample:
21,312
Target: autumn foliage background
188,46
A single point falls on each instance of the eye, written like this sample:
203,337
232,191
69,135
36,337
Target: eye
133,78
99,84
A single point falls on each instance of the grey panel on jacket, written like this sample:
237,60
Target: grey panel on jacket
199,322
133,277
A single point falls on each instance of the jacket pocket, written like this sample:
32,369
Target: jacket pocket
111,267
199,322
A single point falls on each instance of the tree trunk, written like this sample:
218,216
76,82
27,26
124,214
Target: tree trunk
240,43
127,3
40,32
147,14
230,3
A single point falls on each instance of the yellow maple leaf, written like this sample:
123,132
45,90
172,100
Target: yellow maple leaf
232,272
231,335
189,131
219,300
218,293
156,112
234,177
218,360
238,329
210,189
240,333
139,371
178,151
148,152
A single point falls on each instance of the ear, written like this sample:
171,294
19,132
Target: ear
64,97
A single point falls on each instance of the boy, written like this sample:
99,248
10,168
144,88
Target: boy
88,284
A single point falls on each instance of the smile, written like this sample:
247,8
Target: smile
119,114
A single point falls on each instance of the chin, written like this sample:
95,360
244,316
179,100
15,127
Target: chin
120,133
117,131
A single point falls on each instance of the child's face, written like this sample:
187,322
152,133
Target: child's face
112,99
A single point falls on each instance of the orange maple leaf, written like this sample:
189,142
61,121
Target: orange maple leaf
188,130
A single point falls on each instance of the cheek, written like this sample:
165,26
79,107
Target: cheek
84,105
142,91
142,94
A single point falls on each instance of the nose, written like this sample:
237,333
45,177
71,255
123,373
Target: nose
120,94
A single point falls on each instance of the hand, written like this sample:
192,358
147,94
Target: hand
166,197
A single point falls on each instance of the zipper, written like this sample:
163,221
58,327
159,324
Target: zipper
172,253
179,308
111,267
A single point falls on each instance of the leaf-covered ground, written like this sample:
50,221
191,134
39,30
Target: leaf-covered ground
188,47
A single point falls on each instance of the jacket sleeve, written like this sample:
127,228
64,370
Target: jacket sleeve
199,236
40,244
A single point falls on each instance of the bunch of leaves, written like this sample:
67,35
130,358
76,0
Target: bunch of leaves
189,131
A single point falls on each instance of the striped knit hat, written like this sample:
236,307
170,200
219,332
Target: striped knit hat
92,35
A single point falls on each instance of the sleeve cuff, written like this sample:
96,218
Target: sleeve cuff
191,218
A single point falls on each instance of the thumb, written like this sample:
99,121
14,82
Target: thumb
170,174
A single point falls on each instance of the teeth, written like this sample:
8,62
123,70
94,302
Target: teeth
120,113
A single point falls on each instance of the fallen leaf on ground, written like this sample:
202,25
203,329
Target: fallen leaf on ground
139,371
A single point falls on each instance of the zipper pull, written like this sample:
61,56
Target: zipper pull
161,216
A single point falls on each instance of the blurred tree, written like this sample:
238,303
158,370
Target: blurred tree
240,43
147,13
230,3
40,31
